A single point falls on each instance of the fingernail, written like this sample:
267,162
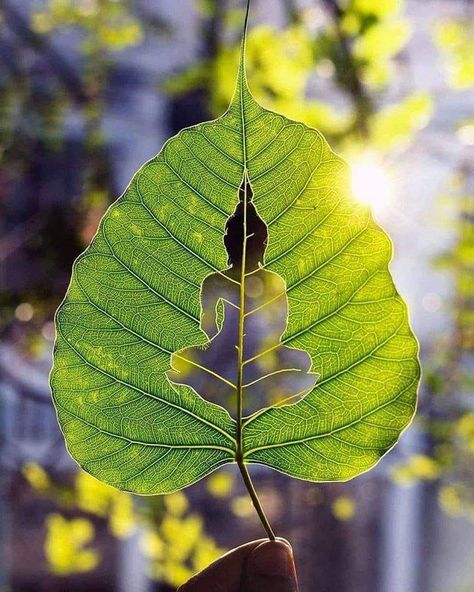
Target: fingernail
273,559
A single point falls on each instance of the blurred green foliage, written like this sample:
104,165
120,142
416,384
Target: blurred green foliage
350,48
456,39
105,24
447,416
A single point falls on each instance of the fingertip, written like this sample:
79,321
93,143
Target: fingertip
273,558
225,574
270,566
285,542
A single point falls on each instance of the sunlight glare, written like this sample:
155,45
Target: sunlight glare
371,183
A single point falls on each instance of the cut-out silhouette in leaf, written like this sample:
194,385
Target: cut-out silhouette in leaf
134,307
272,373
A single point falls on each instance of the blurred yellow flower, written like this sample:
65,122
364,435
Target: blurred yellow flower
176,503
152,545
242,506
36,476
205,553
93,496
181,535
122,517
450,500
344,508
220,484
418,467
64,545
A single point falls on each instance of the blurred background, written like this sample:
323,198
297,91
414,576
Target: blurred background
89,90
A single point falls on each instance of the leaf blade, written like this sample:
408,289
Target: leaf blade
137,289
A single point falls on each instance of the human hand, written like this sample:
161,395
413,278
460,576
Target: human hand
259,566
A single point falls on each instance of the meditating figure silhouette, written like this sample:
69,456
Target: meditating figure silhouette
272,372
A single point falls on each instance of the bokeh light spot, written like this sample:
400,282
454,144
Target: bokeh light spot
24,312
431,302
47,331
466,134
344,508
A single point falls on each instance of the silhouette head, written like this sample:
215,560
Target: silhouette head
257,234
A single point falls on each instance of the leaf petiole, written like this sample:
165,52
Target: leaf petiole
255,500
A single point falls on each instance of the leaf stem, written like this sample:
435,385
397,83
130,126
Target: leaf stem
256,502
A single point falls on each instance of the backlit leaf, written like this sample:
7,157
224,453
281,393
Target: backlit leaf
134,303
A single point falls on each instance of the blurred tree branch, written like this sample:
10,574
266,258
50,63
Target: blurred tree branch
348,74
293,13
19,25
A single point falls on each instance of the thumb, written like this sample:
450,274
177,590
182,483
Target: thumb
270,566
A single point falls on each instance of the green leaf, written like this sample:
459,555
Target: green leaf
135,300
